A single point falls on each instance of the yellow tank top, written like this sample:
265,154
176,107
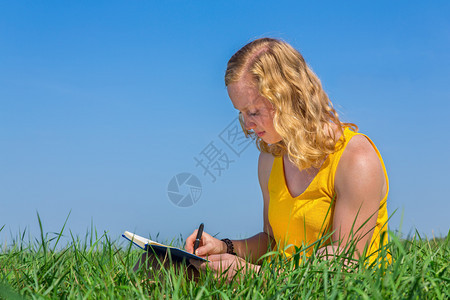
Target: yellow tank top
304,219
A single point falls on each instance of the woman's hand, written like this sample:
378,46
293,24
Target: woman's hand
225,265
208,245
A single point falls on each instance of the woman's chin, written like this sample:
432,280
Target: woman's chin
270,141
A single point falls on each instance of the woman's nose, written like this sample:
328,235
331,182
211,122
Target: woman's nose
249,125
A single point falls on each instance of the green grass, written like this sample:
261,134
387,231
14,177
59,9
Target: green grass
101,267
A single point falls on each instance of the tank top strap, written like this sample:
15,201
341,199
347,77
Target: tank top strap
334,158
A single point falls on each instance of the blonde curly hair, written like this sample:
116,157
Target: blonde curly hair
302,109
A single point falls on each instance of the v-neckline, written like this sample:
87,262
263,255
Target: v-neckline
315,177
285,180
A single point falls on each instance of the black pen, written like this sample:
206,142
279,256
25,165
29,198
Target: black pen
199,236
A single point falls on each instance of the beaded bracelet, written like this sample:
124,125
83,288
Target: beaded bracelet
230,247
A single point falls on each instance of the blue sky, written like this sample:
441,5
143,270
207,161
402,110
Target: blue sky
103,103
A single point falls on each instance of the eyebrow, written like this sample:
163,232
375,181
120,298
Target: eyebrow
242,108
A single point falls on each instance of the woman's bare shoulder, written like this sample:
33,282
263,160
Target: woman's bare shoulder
265,167
360,164
265,160
359,149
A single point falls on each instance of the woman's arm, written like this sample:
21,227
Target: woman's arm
360,185
256,246
252,248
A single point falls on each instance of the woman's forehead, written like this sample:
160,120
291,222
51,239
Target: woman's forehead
244,96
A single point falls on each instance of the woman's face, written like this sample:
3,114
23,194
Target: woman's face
257,111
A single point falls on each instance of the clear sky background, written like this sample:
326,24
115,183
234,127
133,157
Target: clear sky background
103,102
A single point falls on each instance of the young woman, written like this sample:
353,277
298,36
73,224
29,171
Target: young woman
317,175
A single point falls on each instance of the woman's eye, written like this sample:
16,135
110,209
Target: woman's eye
253,114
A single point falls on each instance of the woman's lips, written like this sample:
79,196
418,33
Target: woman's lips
261,133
